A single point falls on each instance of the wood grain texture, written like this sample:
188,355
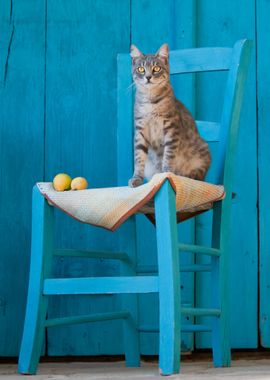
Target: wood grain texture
263,82
62,73
83,40
152,24
21,154
127,238
228,25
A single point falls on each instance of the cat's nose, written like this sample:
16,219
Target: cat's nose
148,77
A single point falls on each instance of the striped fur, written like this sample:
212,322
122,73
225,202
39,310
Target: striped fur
166,137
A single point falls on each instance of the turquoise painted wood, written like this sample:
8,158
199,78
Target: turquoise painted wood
227,26
263,81
40,269
181,61
91,254
81,72
42,285
45,47
166,283
199,249
151,25
101,285
222,212
184,328
86,318
22,84
127,238
169,281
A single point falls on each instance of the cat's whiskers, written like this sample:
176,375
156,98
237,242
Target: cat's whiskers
130,87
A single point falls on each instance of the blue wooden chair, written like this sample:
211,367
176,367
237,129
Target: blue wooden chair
167,280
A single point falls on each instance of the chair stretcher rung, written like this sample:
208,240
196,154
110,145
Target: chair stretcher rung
199,249
196,328
184,328
196,268
86,318
144,269
200,312
91,254
101,285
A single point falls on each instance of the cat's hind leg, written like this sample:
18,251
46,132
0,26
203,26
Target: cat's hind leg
198,174
153,165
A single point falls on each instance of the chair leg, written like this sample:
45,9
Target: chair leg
169,281
131,333
130,301
220,273
40,268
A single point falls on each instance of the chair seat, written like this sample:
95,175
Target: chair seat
110,207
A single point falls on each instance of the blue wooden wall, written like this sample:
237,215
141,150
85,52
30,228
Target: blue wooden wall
58,113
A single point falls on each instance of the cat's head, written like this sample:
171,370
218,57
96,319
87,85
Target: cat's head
150,70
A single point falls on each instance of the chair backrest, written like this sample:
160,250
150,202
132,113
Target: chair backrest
234,60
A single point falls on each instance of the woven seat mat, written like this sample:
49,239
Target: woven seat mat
110,207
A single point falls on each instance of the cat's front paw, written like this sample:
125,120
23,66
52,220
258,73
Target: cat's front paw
135,181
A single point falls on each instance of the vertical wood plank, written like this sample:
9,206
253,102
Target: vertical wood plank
83,40
263,83
152,25
229,24
127,238
21,154
81,73
185,36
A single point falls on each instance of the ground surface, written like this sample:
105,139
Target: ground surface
248,369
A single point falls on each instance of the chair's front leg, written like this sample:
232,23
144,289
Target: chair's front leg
169,281
130,301
41,257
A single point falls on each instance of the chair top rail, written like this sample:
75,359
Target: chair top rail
195,60
200,59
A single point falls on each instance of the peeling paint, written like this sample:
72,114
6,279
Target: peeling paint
8,54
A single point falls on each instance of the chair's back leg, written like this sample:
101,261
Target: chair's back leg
169,281
220,293
41,257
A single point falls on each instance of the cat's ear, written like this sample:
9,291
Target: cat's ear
135,52
163,53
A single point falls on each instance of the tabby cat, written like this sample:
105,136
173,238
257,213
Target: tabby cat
166,137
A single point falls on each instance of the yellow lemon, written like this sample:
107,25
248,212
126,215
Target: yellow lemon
79,183
61,182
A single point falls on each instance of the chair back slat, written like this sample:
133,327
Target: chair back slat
235,61
209,130
200,59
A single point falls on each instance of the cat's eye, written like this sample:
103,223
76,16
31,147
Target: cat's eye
156,69
141,69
